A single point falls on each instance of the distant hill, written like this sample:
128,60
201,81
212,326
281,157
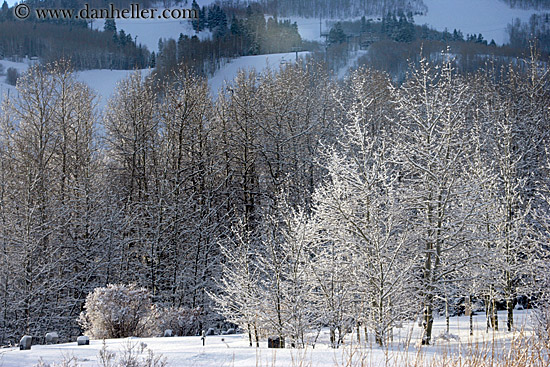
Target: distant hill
338,8
528,4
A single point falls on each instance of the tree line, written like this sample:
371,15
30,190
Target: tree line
247,32
288,204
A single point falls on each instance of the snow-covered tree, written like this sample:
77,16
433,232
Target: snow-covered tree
434,160
50,150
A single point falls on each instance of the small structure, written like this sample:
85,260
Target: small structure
210,332
83,340
52,338
231,331
275,342
167,333
25,342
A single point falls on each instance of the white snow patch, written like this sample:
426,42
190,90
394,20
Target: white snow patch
353,58
233,350
259,62
488,17
104,81
149,31
6,89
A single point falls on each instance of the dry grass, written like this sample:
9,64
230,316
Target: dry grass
521,351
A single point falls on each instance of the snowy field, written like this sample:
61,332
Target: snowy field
103,82
229,71
149,31
233,350
488,17
5,88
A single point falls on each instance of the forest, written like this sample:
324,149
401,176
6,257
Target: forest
290,203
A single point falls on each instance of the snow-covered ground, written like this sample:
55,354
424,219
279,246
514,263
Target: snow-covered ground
488,17
259,62
233,350
149,31
103,82
352,63
5,88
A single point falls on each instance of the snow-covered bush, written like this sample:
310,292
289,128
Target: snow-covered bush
118,311
182,321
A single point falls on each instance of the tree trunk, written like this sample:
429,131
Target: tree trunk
332,337
428,323
510,311
447,321
471,315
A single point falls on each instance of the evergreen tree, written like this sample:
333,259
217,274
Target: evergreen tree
4,11
336,34
152,60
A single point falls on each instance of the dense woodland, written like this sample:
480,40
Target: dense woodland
340,8
288,204
241,29
528,4
245,34
538,27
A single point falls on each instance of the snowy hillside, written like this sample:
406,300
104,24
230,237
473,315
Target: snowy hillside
5,88
233,350
103,82
149,31
259,62
488,17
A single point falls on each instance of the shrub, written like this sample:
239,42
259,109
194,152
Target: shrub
182,321
67,362
11,76
118,311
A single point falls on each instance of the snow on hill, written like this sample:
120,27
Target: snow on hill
259,62
353,59
233,350
488,17
149,31
5,88
103,82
